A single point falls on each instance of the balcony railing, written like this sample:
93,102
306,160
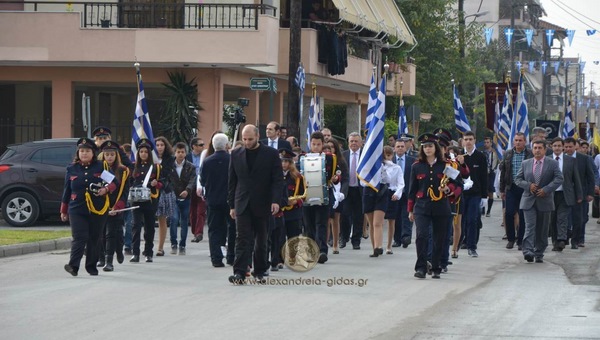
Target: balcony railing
154,14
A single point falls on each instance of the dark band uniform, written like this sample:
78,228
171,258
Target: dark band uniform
102,131
87,212
430,207
144,216
118,200
292,213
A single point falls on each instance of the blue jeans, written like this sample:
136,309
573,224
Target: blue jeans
128,219
181,215
471,215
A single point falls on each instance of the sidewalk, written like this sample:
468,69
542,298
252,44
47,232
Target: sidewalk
35,247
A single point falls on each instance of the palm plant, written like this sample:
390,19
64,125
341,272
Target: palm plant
179,119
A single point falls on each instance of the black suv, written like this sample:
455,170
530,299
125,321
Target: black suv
32,177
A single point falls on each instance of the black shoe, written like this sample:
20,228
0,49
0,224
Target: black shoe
463,246
100,263
356,247
218,264
195,239
450,263
127,251
510,245
429,271
274,268
379,251
93,273
149,259
420,274
528,258
574,246
444,270
539,260
135,258
120,257
237,279
375,253
405,242
200,237
342,244
560,245
436,275
336,252
230,263
322,258
108,267
396,244
519,247
71,270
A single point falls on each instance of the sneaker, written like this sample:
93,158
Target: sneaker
173,250
181,250
473,253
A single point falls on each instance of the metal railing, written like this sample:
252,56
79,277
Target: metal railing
155,15
23,130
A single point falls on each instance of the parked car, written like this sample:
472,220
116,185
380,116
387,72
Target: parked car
32,177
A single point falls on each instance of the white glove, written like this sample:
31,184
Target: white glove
340,197
483,203
336,203
468,184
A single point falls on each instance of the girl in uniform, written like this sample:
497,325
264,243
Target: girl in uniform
333,228
84,203
145,215
167,200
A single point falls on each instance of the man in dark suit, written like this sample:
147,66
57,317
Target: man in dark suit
539,177
585,168
255,187
273,138
352,218
215,185
403,230
565,197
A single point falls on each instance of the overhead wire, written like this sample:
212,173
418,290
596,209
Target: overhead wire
575,17
590,19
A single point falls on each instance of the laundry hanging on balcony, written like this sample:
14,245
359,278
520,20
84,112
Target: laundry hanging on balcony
333,50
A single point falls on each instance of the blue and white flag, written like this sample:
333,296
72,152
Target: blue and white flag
508,32
301,83
497,114
588,131
570,35
569,126
460,117
504,123
556,65
489,33
590,32
518,64
370,162
520,122
402,123
371,102
544,65
529,36
531,66
581,66
314,117
141,121
550,36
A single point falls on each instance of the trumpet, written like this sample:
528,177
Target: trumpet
95,187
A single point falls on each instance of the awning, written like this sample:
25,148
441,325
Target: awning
534,83
376,16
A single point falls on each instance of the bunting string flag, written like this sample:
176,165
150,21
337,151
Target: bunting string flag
531,66
518,64
550,36
570,35
544,66
556,65
489,33
508,32
142,128
590,32
369,163
529,36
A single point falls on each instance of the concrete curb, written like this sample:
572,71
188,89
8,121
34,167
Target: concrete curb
35,247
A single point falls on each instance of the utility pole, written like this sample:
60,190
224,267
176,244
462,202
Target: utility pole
294,61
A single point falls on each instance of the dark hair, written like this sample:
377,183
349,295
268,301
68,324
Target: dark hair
294,140
338,150
488,138
282,127
438,153
277,126
180,145
387,150
520,134
126,147
168,148
211,148
194,141
469,133
393,136
557,139
76,158
317,135
570,140
539,142
138,160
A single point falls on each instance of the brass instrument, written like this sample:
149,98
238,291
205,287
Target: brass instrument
95,187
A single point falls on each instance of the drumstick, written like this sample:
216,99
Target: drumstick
125,209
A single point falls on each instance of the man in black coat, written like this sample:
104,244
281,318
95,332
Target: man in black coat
403,226
255,182
353,217
273,137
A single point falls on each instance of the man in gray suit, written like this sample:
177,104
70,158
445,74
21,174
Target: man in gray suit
565,196
539,177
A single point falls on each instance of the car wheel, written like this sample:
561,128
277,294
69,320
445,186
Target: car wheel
20,209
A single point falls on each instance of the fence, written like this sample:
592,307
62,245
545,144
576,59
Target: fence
23,130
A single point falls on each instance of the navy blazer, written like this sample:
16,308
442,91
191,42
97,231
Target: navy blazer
281,143
408,162
213,179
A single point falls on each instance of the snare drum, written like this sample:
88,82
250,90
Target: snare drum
139,194
312,167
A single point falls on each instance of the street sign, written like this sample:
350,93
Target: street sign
260,84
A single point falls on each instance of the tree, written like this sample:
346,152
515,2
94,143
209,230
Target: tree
179,118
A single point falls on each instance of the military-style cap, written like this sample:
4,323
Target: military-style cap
443,140
109,145
287,154
86,143
406,136
101,131
144,143
427,138
444,132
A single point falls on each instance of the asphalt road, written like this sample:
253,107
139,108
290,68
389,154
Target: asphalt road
494,296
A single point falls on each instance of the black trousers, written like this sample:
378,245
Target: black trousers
217,230
144,217
352,217
251,233
231,235
277,240
114,234
85,230
439,232
315,224
403,224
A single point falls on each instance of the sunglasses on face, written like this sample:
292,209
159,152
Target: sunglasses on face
201,144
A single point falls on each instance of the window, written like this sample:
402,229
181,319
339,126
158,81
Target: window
58,156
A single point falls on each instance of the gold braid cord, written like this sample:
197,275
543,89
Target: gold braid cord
157,177
296,196
90,204
123,179
334,165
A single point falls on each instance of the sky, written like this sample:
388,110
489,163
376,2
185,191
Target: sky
579,15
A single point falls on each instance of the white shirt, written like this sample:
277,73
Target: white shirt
179,167
560,165
273,143
392,174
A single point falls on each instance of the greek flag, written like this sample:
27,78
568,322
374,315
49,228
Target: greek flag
370,162
314,117
569,126
301,83
460,117
504,123
371,102
520,122
588,131
141,121
497,116
402,123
